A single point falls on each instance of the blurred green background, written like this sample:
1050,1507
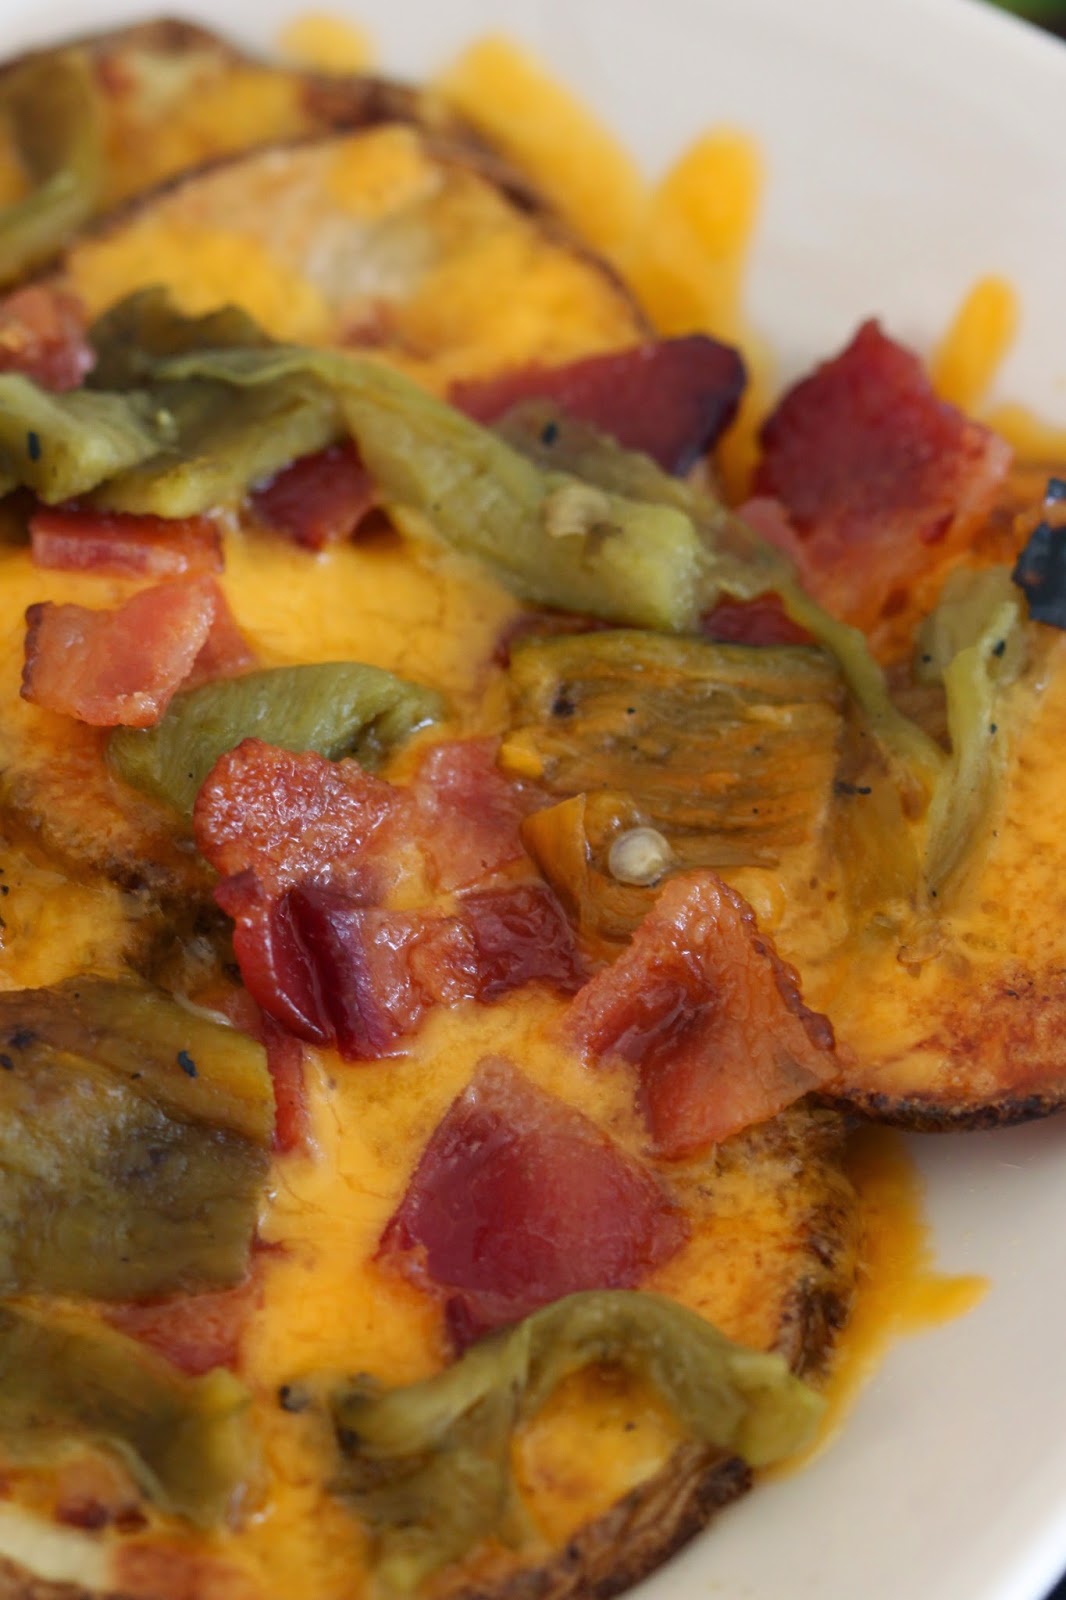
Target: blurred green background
1049,13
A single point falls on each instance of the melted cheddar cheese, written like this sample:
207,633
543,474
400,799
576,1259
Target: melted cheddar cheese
327,1305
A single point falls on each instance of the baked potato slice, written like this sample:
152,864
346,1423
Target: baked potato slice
608,1479
383,238
174,95
377,237
954,1018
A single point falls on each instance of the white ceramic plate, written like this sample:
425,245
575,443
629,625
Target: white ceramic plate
911,146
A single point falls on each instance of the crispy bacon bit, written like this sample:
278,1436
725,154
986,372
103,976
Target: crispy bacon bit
226,652
195,1332
520,935
880,479
285,1063
517,1200
307,847
339,972
117,667
75,539
672,398
711,1015
42,335
763,621
469,812
319,499
291,819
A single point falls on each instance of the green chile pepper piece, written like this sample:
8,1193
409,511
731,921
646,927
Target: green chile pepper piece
138,331
974,642
221,442
729,750
63,445
339,708
134,1143
547,536
184,1440
52,106
428,1465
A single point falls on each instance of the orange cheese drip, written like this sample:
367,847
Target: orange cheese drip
975,344
326,43
900,1291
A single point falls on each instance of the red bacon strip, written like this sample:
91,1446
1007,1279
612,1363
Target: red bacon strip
518,1200
225,652
42,335
763,622
285,1063
468,813
117,667
194,1332
297,818
306,848
319,499
671,398
338,972
75,539
879,478
704,1006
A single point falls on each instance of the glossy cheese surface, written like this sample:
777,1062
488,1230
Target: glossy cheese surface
769,1210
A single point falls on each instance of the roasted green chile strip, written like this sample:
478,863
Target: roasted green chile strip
64,445
221,440
654,554
184,1060
184,1441
339,708
139,331
134,1143
974,643
548,536
729,750
738,563
52,108
428,1465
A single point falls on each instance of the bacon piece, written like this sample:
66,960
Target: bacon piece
518,1200
117,667
338,972
671,398
42,335
285,1063
469,812
881,480
75,539
763,621
195,1332
319,499
295,818
226,652
520,935
712,1016
307,847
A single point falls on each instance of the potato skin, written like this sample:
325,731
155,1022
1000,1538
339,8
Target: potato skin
641,1530
637,1535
